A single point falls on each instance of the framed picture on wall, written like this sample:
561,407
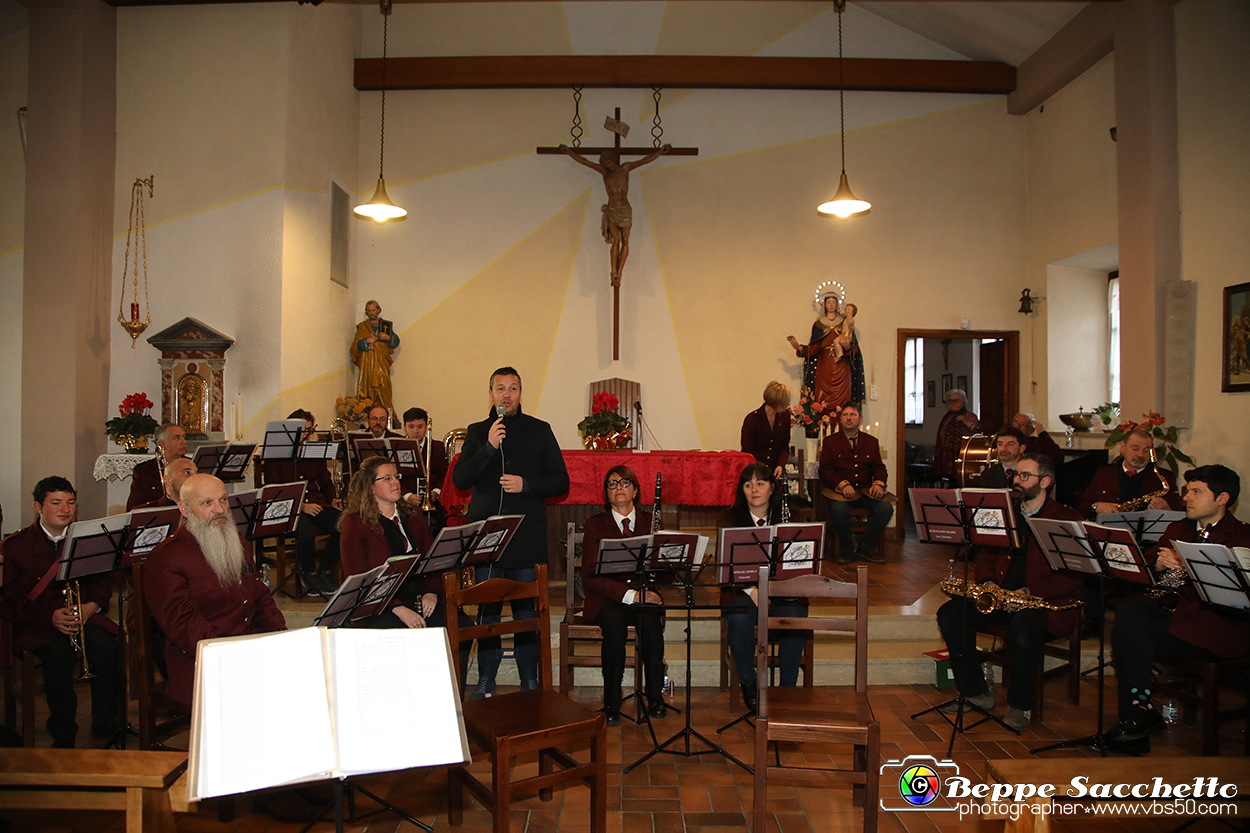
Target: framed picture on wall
1236,373
961,382
948,384
930,394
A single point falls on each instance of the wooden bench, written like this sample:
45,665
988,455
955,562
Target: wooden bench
149,787
1060,771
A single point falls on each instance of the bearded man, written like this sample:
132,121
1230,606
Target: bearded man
201,582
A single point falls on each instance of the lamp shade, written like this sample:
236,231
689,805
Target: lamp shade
380,208
844,203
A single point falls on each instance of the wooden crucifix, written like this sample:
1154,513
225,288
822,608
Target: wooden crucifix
617,212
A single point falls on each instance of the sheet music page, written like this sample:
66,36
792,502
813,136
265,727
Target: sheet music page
700,551
241,678
1213,568
395,702
1242,554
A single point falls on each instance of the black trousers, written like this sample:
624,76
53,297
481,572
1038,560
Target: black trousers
1027,634
614,619
59,659
1139,637
306,528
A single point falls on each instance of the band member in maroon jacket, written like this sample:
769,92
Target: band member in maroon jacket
1144,630
417,427
1028,630
766,430
1037,443
1131,478
176,473
319,512
614,605
145,479
34,602
853,475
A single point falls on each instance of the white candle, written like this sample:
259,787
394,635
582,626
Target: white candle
238,411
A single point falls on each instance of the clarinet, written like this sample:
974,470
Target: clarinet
785,497
655,508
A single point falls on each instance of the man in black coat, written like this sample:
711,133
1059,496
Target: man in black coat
512,463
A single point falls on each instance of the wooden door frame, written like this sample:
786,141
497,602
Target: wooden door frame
1011,391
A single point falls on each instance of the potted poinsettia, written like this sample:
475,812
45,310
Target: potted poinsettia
1164,438
604,429
135,426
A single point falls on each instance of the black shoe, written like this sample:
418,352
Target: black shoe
658,710
1138,724
325,583
614,717
750,697
529,685
843,558
873,557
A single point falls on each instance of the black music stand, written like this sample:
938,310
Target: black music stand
365,594
225,461
1147,526
945,516
270,511
1090,549
91,548
282,439
1217,575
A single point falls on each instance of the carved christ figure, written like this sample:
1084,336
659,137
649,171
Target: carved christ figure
618,215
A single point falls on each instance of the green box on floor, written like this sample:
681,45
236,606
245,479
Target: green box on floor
944,677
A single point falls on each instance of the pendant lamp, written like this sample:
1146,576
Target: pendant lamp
844,203
380,209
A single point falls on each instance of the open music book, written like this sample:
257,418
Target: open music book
1082,546
794,549
362,701
990,519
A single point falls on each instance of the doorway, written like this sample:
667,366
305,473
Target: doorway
990,374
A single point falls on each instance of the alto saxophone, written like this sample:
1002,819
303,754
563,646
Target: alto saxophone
1137,504
989,598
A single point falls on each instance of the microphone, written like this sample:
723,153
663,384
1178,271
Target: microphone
500,411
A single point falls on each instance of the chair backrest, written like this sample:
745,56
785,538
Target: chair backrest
571,603
501,590
814,587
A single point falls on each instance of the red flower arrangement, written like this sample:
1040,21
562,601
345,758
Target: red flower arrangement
811,413
604,428
136,403
134,425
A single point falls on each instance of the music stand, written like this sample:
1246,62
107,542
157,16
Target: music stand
685,571
1216,573
282,439
621,558
147,528
319,450
984,516
225,461
1090,549
365,594
1148,526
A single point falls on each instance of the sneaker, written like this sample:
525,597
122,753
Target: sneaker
1138,723
529,685
1018,719
485,688
983,701
326,583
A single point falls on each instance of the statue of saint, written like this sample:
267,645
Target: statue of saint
833,368
372,347
618,215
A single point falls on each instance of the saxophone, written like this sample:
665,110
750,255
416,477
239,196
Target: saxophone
989,598
1137,504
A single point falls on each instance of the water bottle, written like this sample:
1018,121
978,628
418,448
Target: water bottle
1169,711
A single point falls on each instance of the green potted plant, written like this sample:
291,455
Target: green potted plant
1165,438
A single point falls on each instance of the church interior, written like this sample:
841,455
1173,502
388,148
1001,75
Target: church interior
1117,147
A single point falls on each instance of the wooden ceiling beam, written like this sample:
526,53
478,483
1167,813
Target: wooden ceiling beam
684,72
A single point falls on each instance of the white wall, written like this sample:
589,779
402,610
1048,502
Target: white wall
1077,344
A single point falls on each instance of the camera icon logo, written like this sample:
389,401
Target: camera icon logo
918,779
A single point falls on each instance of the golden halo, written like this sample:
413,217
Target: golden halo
827,288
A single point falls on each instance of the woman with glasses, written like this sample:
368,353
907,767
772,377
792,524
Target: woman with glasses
758,503
613,605
378,524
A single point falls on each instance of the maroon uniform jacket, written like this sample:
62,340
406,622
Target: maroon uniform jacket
159,503
1059,588
601,588
1195,622
145,484
313,472
362,548
860,466
28,554
189,603
1106,487
769,444
438,469
1043,443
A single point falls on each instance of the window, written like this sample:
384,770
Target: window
340,224
1113,337
913,381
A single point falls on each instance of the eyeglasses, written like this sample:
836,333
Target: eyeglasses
387,478
619,484
1023,476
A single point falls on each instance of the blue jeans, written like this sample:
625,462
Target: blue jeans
742,614
879,514
489,650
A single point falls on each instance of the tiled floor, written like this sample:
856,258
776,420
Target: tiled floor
706,793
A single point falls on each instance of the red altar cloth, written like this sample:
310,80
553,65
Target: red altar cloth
691,478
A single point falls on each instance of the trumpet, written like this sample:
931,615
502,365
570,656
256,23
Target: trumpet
73,605
989,598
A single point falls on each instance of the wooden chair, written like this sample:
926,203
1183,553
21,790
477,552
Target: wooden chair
1066,648
575,630
148,689
729,671
817,715
526,722
1196,683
